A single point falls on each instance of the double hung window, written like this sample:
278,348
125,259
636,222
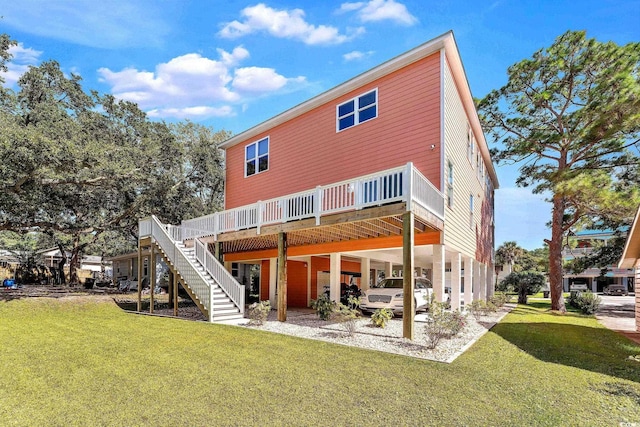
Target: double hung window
256,157
357,110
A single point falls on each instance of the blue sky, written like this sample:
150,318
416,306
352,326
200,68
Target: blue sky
233,64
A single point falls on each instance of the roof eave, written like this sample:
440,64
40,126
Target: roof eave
428,48
631,252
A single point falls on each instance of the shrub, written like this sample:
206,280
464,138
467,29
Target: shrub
589,303
258,312
586,302
347,315
500,299
381,317
573,298
442,324
479,308
323,306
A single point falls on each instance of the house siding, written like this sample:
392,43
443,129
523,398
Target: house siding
474,240
307,151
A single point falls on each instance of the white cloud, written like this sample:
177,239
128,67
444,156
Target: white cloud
195,86
380,10
92,23
288,24
192,112
21,59
356,55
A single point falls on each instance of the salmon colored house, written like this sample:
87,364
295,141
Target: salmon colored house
388,173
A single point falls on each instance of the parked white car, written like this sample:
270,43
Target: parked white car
388,294
578,286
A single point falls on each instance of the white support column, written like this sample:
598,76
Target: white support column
273,278
468,281
491,281
476,280
483,282
438,272
456,260
388,269
334,273
365,273
594,284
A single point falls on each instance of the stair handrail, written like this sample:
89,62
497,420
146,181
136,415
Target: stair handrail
192,276
234,290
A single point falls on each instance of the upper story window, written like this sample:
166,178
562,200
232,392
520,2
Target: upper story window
470,144
450,184
256,157
480,169
357,110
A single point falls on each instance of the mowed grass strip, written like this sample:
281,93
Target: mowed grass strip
79,362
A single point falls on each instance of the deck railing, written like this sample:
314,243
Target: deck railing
399,184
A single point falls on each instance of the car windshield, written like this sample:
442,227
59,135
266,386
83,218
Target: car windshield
396,283
390,283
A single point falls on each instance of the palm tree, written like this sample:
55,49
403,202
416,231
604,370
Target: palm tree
507,253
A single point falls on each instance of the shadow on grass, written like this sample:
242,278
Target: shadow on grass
594,349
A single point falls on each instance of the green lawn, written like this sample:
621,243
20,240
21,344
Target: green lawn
85,363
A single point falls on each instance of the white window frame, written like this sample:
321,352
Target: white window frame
470,144
356,110
450,181
257,157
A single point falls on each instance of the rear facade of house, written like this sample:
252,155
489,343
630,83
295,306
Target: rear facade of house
387,170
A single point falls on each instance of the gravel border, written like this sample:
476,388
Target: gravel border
306,324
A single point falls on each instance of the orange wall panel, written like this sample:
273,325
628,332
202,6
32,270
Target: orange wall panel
264,280
307,151
296,284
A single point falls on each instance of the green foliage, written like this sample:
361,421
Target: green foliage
569,114
442,323
347,315
83,167
258,312
524,283
381,317
480,308
323,306
499,299
586,302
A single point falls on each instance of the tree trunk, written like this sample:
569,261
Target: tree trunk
74,262
555,254
61,277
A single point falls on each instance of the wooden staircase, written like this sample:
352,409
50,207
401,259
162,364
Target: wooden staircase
216,293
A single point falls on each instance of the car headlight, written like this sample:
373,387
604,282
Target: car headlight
400,295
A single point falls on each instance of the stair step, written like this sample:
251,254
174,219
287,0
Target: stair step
217,313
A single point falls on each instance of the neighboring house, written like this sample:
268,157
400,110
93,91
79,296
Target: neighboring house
631,259
8,264
587,241
389,171
52,257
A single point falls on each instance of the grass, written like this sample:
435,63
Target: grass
78,362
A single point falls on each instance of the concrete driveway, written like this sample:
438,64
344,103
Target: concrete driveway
618,313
